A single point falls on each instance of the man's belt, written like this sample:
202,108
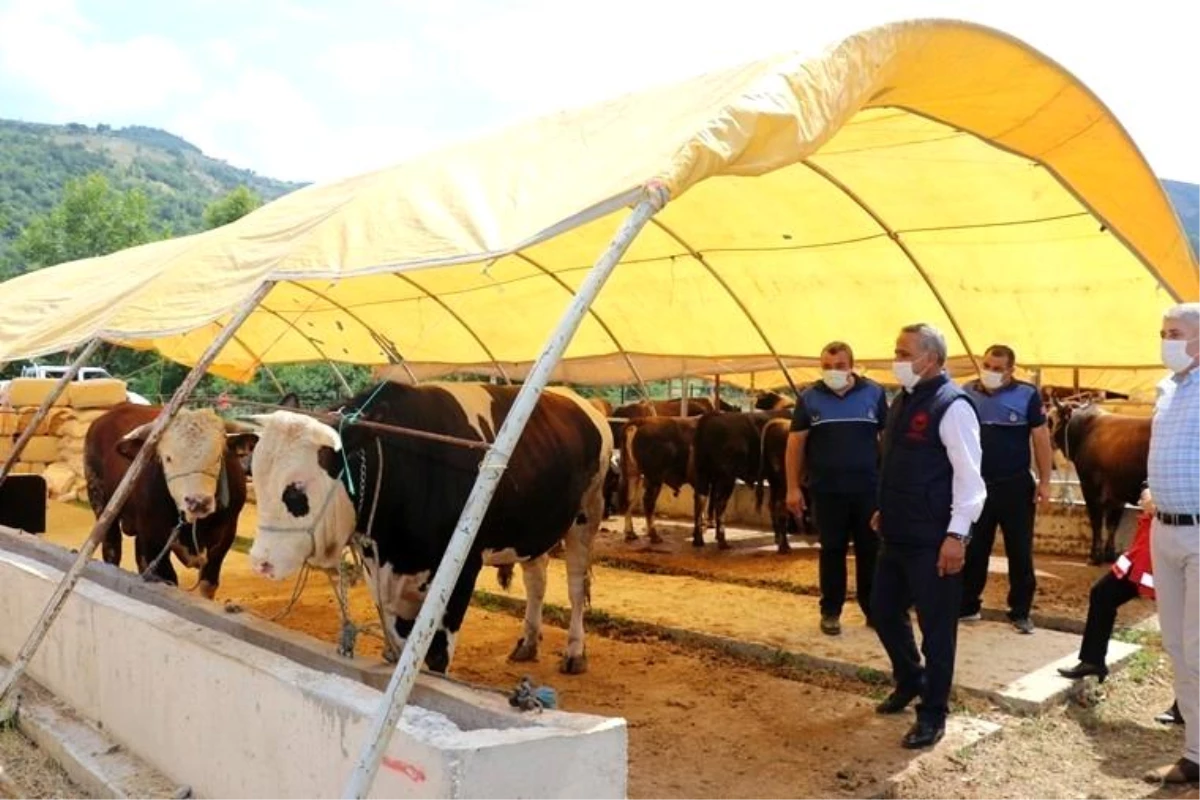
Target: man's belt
1178,520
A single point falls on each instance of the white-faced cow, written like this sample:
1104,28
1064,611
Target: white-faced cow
551,491
194,480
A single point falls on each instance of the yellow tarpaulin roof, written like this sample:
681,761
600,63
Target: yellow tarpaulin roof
922,171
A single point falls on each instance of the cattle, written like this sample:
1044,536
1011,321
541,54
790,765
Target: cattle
654,451
1109,452
195,480
772,401
726,449
602,405
773,473
403,495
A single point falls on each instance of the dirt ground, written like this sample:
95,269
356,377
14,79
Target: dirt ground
1063,583
26,771
737,729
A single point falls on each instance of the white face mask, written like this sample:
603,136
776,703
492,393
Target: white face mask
1175,355
903,370
836,379
991,380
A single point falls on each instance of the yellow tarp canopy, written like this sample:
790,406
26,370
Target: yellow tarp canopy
921,171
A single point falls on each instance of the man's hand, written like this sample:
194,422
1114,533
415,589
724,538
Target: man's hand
950,557
1043,493
795,502
876,522
1146,502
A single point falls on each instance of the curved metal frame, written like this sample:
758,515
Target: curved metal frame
462,322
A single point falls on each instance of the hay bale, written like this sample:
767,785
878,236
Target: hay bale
61,480
102,393
69,446
14,421
39,450
32,391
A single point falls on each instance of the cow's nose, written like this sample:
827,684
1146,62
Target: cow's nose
198,504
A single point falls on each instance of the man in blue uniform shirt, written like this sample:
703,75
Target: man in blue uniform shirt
930,492
1010,415
835,440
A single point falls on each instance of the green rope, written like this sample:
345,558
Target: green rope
351,418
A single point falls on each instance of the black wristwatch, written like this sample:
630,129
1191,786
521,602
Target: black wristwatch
965,538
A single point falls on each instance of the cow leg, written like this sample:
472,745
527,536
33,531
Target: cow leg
210,573
1112,520
697,518
441,649
632,484
720,499
1095,513
579,589
533,573
649,503
164,571
779,519
111,548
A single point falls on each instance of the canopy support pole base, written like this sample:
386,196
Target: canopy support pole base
117,502
495,461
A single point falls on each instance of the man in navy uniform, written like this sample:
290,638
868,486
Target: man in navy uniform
930,492
1010,415
835,439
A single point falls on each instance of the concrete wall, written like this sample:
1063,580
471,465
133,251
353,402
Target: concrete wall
1062,529
235,720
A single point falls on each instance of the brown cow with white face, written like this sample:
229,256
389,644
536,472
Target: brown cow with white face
195,481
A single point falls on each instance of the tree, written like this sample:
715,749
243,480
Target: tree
92,219
233,206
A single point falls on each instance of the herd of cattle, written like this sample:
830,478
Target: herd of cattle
397,498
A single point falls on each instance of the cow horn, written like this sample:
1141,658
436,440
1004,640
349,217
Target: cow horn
138,434
233,426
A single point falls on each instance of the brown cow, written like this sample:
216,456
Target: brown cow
773,472
772,401
1109,452
653,451
602,405
195,481
726,449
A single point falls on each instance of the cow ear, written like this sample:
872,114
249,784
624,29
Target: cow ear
329,461
241,443
290,400
131,443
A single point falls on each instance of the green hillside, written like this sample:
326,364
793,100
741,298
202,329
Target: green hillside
36,161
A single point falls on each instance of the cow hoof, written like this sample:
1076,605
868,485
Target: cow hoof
630,536
697,541
722,544
1095,559
390,655
655,538
784,548
574,665
524,651
207,590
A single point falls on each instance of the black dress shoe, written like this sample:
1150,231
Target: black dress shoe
1171,716
896,702
923,734
1082,670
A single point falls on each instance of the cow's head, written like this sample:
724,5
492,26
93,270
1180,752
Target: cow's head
191,452
305,513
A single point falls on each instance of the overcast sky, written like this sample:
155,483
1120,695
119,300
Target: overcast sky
319,90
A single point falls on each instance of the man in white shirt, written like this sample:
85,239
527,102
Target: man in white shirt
930,492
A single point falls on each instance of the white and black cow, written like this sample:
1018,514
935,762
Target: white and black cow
552,491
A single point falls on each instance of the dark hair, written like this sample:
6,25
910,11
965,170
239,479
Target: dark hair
1005,352
833,348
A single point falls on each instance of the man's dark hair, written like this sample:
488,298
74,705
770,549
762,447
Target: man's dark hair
833,348
1005,352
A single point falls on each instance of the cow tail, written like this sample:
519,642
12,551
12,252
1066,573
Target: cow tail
762,467
504,574
629,465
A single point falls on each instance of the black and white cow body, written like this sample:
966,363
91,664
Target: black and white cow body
316,487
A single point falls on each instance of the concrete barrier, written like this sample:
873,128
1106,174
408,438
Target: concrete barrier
232,719
1062,529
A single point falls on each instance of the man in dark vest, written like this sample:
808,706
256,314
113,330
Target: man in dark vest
1011,416
930,493
835,440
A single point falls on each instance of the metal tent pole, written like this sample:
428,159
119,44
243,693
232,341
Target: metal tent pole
117,501
44,408
490,471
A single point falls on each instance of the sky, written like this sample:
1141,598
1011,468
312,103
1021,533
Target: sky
321,90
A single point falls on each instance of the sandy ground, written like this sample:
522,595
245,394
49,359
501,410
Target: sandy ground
26,769
707,725
1063,583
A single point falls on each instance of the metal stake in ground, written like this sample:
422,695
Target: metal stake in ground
124,488
44,409
490,471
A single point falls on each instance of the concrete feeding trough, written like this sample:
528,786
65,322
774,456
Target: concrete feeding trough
199,697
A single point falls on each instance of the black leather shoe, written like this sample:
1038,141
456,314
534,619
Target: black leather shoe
1171,716
896,702
1082,670
923,734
